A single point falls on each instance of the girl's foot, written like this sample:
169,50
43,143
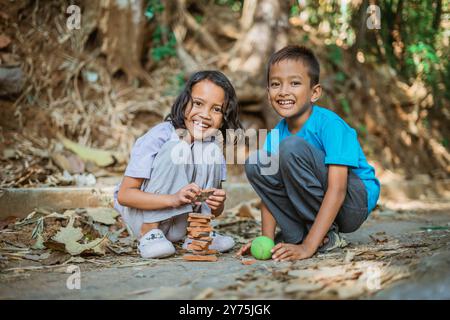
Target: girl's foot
146,227
219,242
155,245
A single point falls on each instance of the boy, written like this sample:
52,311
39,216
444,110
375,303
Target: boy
324,184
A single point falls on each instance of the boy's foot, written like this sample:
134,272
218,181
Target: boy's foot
155,245
332,241
219,242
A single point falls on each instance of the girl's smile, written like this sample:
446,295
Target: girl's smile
204,113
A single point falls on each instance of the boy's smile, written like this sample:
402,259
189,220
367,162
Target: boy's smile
289,90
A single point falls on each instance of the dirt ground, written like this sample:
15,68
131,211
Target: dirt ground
397,254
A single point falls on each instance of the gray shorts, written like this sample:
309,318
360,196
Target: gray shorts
168,177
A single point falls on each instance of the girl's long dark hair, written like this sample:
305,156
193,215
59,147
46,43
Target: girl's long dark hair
231,106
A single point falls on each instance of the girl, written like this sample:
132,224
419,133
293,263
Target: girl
160,187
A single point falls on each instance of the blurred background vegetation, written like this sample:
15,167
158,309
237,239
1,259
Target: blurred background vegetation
109,81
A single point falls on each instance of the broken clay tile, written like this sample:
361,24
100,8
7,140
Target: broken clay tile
200,216
204,252
194,234
248,262
199,224
204,195
201,244
202,221
191,257
200,229
207,238
194,247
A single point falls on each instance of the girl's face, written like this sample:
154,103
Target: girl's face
204,114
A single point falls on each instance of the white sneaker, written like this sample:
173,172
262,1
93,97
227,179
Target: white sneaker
219,242
155,245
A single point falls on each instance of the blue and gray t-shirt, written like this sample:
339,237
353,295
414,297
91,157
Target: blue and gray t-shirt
328,132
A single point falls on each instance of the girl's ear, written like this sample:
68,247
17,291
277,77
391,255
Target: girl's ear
316,92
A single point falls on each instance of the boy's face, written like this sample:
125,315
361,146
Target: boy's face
204,114
289,90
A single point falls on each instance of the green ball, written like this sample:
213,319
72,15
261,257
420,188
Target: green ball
261,247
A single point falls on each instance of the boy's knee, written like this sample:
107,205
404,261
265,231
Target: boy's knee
251,170
292,145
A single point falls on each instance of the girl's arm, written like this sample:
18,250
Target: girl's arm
217,212
131,196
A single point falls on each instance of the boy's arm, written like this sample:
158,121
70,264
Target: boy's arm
268,228
332,202
268,222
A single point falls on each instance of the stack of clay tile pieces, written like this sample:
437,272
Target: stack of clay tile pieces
199,230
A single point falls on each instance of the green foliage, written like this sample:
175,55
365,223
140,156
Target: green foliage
421,60
362,129
235,5
334,54
345,106
340,76
198,18
176,84
153,7
294,11
446,79
418,29
160,49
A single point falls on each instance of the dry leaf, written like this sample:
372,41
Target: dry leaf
349,290
248,262
4,41
379,237
69,237
205,294
103,215
100,157
299,286
349,256
69,162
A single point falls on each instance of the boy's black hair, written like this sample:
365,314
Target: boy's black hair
231,106
299,53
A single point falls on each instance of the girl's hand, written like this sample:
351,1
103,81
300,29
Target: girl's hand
186,195
289,252
217,199
244,250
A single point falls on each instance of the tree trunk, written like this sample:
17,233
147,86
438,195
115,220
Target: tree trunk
264,33
122,28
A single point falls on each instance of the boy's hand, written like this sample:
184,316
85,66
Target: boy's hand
217,199
289,252
244,250
186,195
